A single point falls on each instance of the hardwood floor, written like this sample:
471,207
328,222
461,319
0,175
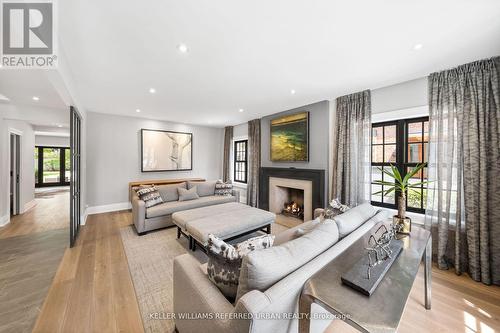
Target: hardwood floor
51,212
93,291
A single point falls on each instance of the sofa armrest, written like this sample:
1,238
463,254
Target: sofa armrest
194,293
236,194
138,213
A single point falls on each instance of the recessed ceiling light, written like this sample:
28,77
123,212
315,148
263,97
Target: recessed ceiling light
36,98
152,90
417,47
292,91
241,110
137,110
182,48
59,126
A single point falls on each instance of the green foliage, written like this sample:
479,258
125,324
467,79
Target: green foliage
400,184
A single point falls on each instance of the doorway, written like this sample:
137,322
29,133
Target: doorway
52,166
15,173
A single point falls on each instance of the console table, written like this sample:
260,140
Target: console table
382,311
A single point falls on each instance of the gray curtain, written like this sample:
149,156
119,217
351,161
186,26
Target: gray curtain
253,162
226,165
463,200
353,136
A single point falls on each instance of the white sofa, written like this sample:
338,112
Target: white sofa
195,293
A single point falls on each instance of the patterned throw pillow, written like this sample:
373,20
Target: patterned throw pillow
334,208
224,261
222,188
149,195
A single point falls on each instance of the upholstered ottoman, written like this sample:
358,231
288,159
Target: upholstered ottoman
226,221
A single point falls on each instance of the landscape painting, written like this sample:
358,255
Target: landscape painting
290,138
166,151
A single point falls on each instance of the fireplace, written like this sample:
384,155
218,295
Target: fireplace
283,187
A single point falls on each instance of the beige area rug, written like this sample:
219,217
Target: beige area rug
150,259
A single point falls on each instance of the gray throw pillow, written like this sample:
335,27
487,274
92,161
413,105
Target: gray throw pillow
150,196
353,218
223,189
169,192
224,261
204,189
185,195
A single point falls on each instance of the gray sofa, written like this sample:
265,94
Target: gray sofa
306,255
160,216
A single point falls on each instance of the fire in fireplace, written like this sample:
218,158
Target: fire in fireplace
293,209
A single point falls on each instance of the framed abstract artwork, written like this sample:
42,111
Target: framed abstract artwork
166,151
290,138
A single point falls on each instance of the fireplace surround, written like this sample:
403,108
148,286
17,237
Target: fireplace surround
316,177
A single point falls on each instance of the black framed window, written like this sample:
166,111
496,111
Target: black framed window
402,143
240,161
52,166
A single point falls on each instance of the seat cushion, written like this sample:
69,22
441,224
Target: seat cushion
169,192
222,204
177,206
353,218
229,224
261,269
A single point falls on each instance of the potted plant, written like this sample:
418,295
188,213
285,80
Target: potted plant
401,186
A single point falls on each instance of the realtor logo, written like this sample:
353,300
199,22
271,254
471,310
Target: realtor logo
28,34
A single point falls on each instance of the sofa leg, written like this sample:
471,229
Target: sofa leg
142,233
178,232
193,243
268,229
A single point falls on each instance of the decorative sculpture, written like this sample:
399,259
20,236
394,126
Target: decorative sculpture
379,249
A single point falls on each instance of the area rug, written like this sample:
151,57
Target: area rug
150,259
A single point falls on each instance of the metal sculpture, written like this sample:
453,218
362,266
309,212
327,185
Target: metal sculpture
379,249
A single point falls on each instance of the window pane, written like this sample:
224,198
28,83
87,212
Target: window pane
415,153
414,198
390,134
426,131
377,134
377,154
67,165
390,153
390,198
376,197
388,178
51,165
415,132
376,174
426,151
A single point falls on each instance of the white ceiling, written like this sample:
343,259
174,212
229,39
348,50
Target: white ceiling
250,54
20,86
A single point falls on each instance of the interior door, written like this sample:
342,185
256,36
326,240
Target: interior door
74,175
15,172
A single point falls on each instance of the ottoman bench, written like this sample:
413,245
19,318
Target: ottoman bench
226,221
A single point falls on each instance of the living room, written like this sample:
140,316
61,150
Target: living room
237,167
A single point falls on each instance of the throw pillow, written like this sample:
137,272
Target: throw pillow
150,196
224,261
222,188
334,208
185,195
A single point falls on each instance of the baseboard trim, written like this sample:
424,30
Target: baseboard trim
107,208
4,220
29,205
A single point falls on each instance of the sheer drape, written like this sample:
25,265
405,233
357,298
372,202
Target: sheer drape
253,162
463,201
226,164
353,137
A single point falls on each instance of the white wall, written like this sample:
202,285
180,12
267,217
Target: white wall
113,155
51,141
405,95
27,186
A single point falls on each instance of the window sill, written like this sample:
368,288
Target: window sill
239,185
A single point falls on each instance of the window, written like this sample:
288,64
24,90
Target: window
402,143
52,166
240,161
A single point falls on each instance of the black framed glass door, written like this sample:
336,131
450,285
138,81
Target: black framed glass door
75,186
52,166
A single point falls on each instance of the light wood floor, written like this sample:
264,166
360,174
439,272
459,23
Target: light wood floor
93,291
51,212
